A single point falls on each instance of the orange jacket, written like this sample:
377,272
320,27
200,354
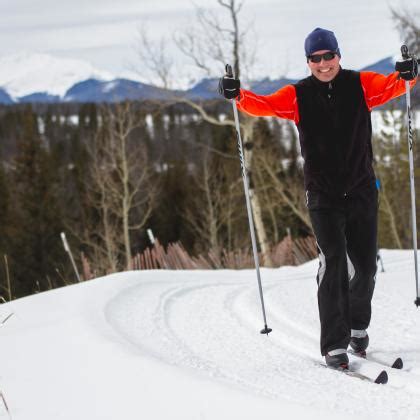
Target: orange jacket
377,88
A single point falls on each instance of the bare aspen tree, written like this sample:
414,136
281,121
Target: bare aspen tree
247,131
407,23
389,211
288,188
155,58
207,217
122,185
222,44
211,44
392,169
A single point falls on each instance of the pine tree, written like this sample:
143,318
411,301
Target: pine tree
36,247
4,211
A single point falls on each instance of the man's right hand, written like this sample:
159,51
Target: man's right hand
229,87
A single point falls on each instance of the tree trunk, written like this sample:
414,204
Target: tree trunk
393,225
126,206
248,124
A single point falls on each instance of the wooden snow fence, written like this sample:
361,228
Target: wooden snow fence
288,252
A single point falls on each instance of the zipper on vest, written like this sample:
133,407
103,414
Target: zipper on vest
329,90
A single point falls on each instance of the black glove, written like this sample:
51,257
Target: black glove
408,68
229,87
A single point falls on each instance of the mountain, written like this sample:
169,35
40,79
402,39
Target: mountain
5,98
267,86
43,97
384,66
93,90
159,345
46,79
25,74
205,89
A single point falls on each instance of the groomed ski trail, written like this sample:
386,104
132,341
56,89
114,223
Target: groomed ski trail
208,322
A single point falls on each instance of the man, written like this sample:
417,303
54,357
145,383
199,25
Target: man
331,109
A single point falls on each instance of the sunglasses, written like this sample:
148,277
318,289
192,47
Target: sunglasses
316,58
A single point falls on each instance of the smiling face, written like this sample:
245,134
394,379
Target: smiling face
325,70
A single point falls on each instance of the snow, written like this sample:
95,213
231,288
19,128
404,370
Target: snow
25,73
149,125
110,86
186,345
379,126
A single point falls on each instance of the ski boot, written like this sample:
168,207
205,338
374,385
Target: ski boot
359,341
337,359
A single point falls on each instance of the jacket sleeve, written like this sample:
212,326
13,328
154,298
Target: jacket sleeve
379,89
282,103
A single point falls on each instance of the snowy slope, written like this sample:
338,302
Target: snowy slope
26,73
186,345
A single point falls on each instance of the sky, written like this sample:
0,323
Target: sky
106,32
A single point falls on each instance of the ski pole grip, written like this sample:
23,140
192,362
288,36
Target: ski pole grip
404,52
229,71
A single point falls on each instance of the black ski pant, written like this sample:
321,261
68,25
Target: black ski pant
346,233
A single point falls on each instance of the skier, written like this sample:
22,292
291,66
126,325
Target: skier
331,109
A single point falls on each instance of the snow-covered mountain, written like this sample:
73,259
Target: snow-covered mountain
46,79
384,66
5,98
162,344
25,74
93,90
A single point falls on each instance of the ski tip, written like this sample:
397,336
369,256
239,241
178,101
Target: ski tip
382,378
398,364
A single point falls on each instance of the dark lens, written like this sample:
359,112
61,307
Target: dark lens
315,58
328,56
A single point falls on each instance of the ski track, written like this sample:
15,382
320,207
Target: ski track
212,328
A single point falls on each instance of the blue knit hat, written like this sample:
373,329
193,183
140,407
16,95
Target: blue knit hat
321,39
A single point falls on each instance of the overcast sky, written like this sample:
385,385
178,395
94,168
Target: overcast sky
104,31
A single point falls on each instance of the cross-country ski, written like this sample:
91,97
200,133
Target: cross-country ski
396,363
381,379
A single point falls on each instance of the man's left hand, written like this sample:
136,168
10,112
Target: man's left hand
408,69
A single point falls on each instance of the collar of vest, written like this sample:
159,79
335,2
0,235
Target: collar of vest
325,85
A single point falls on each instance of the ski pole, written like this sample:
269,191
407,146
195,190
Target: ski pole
68,250
265,330
405,56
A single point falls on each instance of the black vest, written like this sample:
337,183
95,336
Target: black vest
335,134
